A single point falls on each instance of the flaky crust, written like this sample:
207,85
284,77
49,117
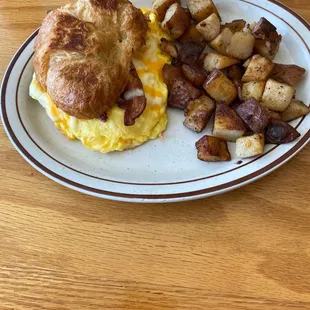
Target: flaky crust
83,54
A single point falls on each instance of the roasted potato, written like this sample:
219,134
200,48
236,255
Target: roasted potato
210,27
277,96
220,88
212,149
235,73
279,132
189,53
198,113
264,30
227,124
221,42
266,48
195,75
250,146
215,61
168,47
254,115
253,90
241,45
201,9
181,93
295,110
288,74
160,7
235,26
176,21
274,114
171,74
258,69
192,35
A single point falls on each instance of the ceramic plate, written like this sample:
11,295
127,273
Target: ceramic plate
163,170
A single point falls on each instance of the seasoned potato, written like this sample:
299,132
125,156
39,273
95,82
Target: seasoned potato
258,69
220,88
279,132
168,47
250,146
176,21
195,75
210,27
274,114
295,109
189,53
288,74
192,35
266,48
264,30
227,124
181,93
212,149
253,90
221,42
241,45
235,73
201,9
253,115
235,25
160,7
171,74
215,61
277,96
198,113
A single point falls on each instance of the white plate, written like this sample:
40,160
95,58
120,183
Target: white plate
161,170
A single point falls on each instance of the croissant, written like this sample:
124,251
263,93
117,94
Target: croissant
83,54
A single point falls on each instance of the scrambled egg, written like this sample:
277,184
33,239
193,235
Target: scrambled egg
113,135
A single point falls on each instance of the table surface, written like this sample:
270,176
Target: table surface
247,249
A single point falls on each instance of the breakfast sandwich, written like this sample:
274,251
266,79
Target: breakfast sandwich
97,73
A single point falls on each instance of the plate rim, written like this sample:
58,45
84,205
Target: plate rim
157,198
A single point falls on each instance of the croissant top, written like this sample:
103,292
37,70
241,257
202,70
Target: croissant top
83,54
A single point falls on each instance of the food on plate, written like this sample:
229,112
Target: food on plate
221,42
176,21
168,47
171,73
250,146
241,45
235,73
295,110
160,7
192,35
274,114
277,96
195,75
216,61
235,26
189,53
106,132
279,132
253,90
220,88
201,10
289,74
212,149
198,113
227,124
210,27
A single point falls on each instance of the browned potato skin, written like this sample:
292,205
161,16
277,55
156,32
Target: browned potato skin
198,113
189,53
274,114
212,149
288,74
181,93
192,35
235,73
195,75
264,30
295,110
206,8
171,74
168,47
178,23
160,7
235,25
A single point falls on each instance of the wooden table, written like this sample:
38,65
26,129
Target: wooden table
64,250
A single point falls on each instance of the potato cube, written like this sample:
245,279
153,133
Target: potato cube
195,75
289,74
235,72
250,146
210,27
279,132
274,114
189,53
201,9
220,88
241,45
235,25
221,42
212,149
168,47
227,124
295,109
258,69
192,35
277,96
215,61
198,113
160,7
253,90
171,74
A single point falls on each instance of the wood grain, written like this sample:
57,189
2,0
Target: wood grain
247,249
